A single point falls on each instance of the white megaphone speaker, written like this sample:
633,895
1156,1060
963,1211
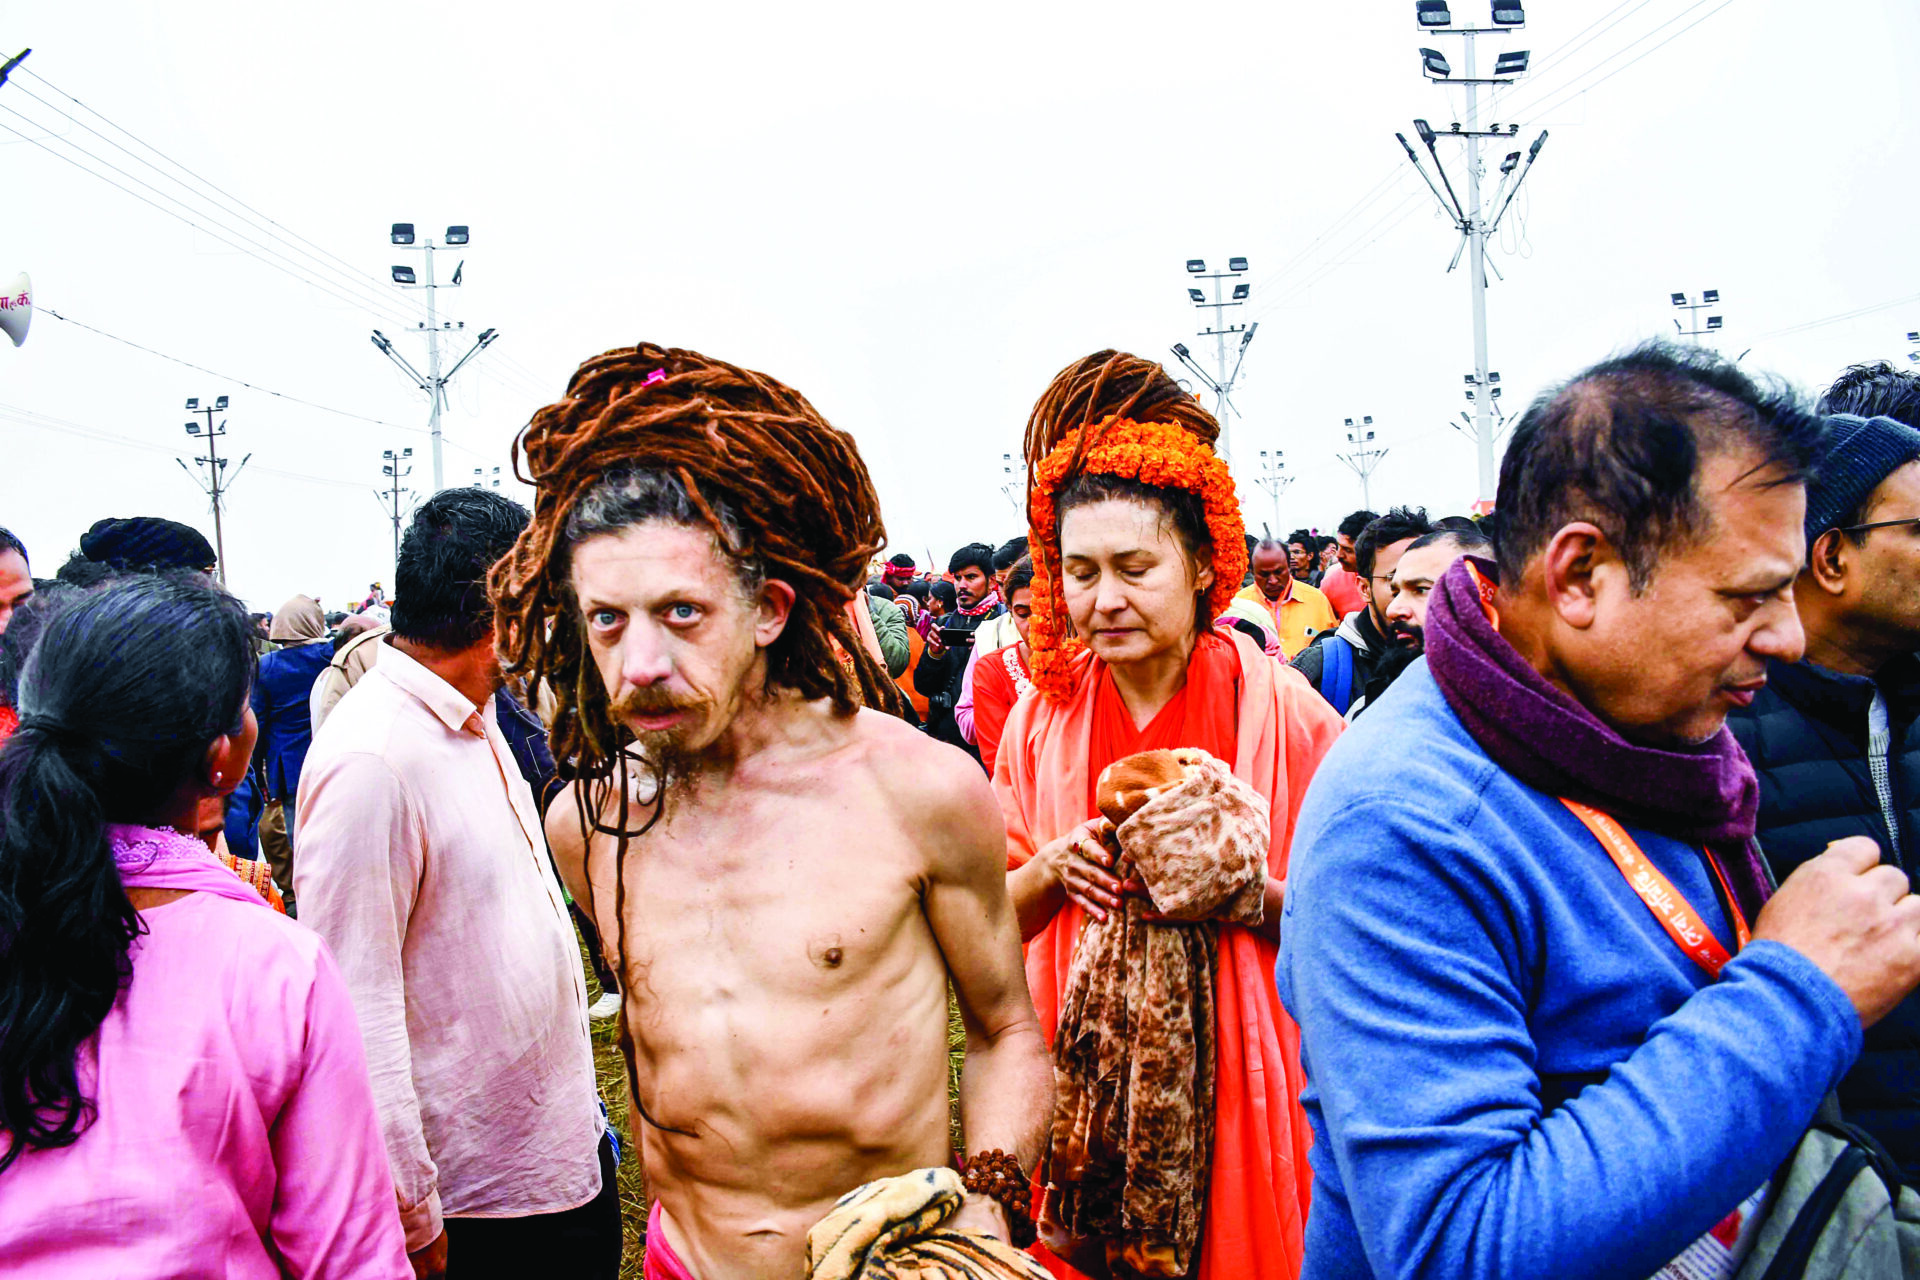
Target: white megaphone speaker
16,309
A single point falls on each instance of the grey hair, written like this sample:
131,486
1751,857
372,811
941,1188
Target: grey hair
634,496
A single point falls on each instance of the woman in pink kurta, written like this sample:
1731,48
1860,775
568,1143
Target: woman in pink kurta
203,1108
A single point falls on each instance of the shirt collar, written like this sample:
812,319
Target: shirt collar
447,703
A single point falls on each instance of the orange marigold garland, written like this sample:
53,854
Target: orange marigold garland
1160,454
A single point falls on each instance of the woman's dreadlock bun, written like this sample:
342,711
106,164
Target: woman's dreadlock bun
1111,384
797,501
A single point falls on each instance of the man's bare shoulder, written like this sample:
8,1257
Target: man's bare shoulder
931,781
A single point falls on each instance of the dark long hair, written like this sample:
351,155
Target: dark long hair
119,699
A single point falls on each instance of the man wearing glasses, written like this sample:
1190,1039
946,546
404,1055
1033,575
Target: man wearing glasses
1355,663
1836,737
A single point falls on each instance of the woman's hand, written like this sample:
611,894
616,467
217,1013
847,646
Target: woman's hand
1082,865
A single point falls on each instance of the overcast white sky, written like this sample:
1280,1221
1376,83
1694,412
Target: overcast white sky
914,214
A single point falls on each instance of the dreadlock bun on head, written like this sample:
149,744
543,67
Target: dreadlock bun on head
1109,385
779,488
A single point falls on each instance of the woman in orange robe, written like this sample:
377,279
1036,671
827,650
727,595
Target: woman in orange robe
1138,543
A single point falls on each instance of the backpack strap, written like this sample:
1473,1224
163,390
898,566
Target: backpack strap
1336,673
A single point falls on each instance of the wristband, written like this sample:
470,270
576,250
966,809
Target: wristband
998,1175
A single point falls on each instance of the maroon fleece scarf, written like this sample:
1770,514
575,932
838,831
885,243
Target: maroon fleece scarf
1542,736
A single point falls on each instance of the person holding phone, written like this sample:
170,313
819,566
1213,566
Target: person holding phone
950,641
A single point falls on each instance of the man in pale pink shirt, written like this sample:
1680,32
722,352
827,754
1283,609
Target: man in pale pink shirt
424,866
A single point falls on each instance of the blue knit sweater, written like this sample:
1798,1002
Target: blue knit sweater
1513,1071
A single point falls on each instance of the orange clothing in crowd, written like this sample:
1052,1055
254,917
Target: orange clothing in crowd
1000,679
1280,728
1341,587
1299,615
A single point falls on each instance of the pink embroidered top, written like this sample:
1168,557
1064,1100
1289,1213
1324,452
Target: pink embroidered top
234,1119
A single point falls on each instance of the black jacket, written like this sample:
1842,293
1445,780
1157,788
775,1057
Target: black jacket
939,679
1377,662
1807,735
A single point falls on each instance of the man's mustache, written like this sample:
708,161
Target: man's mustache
653,700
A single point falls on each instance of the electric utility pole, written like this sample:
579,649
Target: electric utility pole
434,383
1013,483
1274,479
1475,227
1363,456
216,484
1708,298
1219,330
395,469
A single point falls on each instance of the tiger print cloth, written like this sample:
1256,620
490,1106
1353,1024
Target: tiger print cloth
890,1230
1131,1148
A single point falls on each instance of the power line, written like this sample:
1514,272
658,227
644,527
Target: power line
254,386
278,265
1854,314
46,422
323,260
251,386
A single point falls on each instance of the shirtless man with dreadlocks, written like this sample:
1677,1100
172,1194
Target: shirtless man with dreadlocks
797,881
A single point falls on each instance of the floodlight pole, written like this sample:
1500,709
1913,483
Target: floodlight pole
392,493
1477,251
1222,383
1693,310
434,383
215,486
1364,458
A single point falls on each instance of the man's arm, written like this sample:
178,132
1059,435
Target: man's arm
1006,1086
1402,963
356,879
568,842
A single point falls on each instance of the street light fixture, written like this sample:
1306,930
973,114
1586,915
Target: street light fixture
220,403
403,233
456,235
1508,13
1432,13
1510,64
403,275
193,404
1236,264
1196,266
1435,64
1196,295
1240,292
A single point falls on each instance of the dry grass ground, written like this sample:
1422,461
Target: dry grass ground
612,1074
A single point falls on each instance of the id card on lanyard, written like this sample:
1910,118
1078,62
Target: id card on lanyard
1718,1254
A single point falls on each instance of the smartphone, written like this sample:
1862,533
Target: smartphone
954,637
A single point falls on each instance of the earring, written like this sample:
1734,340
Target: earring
216,779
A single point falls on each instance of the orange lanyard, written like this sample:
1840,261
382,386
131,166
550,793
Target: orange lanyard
1675,914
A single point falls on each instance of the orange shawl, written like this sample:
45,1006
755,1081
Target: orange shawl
1257,1197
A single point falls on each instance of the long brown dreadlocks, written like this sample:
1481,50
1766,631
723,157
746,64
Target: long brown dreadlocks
778,488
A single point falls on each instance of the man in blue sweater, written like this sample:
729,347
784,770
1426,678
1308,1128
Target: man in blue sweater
1520,886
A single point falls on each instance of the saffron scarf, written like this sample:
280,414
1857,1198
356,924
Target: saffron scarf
1544,737
1259,1183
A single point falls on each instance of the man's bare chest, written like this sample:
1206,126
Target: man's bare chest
809,899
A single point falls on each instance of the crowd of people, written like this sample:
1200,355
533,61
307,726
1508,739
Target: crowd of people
1511,895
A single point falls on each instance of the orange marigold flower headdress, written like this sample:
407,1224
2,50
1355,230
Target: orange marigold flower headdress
1166,454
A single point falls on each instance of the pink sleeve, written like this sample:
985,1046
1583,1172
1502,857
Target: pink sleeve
963,709
334,1213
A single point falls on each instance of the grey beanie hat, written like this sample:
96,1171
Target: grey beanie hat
1860,453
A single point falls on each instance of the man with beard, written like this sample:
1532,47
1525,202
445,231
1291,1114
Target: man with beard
1425,559
787,885
1353,665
